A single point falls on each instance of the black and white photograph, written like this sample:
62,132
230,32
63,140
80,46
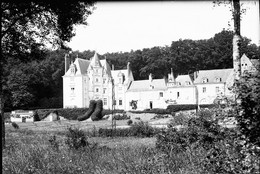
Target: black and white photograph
132,87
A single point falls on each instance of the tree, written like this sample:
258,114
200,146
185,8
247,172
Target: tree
32,24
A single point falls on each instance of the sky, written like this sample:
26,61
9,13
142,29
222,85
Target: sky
125,26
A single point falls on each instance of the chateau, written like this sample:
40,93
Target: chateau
93,79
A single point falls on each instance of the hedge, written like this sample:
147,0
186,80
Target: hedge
70,113
176,108
155,110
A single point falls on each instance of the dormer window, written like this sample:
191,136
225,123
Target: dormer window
218,79
73,68
205,80
187,83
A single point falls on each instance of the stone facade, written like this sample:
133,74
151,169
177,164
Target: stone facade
93,79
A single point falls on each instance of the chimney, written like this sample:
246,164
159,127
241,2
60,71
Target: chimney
150,77
196,73
67,61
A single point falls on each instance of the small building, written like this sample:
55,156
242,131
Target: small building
22,116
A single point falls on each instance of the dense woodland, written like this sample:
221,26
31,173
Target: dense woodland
35,79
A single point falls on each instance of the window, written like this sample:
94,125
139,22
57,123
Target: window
178,94
218,79
105,101
96,79
204,89
72,90
205,80
187,83
161,94
120,102
114,102
217,89
104,80
96,89
104,90
120,80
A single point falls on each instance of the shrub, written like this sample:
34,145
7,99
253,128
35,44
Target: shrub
68,113
248,108
97,114
179,119
92,105
142,129
198,132
75,138
176,108
108,132
129,122
54,143
36,117
15,125
155,110
121,117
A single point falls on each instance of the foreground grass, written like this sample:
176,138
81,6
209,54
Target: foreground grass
30,152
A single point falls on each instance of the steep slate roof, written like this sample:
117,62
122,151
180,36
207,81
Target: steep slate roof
212,74
144,85
83,65
95,60
183,79
106,66
255,62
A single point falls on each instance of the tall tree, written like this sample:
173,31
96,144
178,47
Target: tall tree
33,24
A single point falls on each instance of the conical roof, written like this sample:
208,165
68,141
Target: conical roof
95,62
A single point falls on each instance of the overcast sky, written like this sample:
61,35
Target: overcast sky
126,26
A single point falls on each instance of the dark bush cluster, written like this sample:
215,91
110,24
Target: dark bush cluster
121,117
139,129
68,113
92,106
155,110
97,114
75,138
176,108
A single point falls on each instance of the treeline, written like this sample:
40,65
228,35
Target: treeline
34,80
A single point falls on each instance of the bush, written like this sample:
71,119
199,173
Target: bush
129,122
142,129
179,119
15,125
75,138
155,110
92,105
198,132
176,108
121,117
68,113
97,114
108,132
